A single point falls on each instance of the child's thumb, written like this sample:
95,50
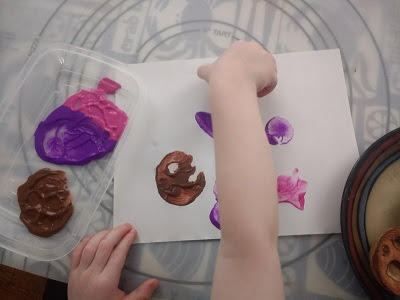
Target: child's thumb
204,71
144,291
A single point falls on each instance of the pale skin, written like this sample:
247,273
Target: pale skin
247,264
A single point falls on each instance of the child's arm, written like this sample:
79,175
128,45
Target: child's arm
247,264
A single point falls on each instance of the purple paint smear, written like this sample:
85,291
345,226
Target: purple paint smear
205,122
214,214
86,127
71,137
292,189
279,131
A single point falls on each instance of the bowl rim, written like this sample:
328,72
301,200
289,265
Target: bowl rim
373,290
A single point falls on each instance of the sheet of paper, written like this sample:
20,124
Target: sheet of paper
311,94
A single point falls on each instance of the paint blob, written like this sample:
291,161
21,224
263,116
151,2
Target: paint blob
205,122
279,131
291,189
173,179
214,214
86,127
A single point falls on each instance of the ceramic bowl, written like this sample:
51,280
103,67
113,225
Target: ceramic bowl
371,205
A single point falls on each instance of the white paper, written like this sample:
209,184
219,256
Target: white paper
311,94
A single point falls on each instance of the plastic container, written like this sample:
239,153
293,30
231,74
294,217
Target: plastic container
49,77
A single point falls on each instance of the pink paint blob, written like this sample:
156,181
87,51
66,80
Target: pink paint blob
292,189
108,86
102,111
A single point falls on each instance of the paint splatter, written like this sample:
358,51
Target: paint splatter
214,214
292,189
279,131
204,121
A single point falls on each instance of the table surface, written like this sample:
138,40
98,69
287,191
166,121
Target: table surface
367,33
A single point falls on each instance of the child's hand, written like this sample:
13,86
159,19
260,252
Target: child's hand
96,266
243,63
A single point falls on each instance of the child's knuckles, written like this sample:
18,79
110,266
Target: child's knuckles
89,250
105,245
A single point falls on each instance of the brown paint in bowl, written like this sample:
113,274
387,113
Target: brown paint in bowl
383,207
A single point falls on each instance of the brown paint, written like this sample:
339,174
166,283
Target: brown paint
174,186
384,259
45,202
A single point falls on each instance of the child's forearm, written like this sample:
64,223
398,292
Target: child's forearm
246,185
246,182
248,263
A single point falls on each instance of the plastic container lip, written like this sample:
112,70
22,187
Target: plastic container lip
68,48
90,182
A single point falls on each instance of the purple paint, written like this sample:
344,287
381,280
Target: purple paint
205,122
214,214
279,131
71,137
86,127
291,189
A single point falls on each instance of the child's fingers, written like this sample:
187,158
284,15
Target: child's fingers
204,71
107,245
90,249
268,89
77,253
144,291
118,256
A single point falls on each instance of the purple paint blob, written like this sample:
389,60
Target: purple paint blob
71,137
205,122
291,189
86,127
279,131
214,214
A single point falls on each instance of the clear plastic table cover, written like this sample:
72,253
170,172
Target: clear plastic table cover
133,31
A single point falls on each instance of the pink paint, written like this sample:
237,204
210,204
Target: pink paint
108,86
102,111
292,189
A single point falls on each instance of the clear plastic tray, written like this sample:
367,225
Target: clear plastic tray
49,77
